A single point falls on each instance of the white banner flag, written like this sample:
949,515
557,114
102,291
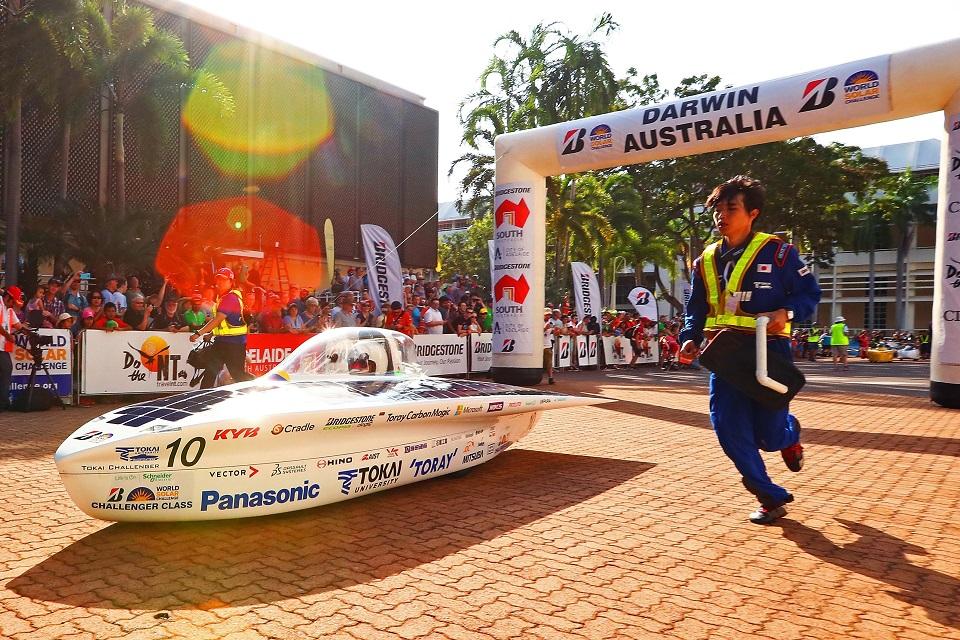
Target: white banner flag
383,265
586,289
644,302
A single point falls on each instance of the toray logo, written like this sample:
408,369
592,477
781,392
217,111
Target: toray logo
820,94
512,289
573,141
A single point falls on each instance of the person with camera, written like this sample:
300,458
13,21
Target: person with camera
745,275
9,325
229,333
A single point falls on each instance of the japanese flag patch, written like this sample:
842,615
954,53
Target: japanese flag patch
764,268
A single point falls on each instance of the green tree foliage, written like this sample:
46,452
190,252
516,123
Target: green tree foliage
467,252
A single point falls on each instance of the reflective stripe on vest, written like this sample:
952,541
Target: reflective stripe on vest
814,336
717,316
227,329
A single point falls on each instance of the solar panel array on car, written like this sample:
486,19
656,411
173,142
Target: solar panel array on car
170,409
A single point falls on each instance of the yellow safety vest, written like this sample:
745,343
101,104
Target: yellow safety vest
718,316
814,336
227,329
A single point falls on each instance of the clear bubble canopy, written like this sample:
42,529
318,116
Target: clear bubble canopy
351,351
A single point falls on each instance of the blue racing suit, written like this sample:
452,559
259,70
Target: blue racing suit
776,279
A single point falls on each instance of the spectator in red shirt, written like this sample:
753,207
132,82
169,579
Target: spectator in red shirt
109,321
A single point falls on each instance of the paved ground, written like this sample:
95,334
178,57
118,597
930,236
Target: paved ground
615,521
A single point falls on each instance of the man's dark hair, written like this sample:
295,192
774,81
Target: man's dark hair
109,305
753,192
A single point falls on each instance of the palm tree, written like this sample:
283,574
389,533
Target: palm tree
904,203
142,63
549,77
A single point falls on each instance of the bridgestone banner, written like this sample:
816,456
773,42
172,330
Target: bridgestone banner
644,302
513,269
562,351
747,115
442,354
383,265
586,351
481,352
586,289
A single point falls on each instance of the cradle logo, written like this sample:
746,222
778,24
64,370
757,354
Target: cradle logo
514,213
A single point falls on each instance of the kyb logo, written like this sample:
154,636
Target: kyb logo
819,94
510,289
234,434
573,141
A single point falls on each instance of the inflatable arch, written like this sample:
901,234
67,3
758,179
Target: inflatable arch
877,89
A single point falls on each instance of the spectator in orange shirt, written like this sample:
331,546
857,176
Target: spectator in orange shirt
399,320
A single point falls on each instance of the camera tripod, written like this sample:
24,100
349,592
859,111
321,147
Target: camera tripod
39,365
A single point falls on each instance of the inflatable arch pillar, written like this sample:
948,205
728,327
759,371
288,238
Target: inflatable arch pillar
878,89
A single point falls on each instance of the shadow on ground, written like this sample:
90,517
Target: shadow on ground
883,557
863,440
258,560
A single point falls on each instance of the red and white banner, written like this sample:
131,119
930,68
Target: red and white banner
383,265
513,269
587,351
586,289
266,350
562,351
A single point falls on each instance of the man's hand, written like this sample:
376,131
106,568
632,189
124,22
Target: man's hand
690,349
778,320
194,337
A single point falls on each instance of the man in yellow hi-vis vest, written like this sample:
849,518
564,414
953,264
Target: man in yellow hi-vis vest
839,342
745,275
229,332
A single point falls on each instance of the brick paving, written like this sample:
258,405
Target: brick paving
615,521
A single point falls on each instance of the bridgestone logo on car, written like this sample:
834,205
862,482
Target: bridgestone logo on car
430,350
349,422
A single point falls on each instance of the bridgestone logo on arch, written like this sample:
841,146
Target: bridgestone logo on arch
516,218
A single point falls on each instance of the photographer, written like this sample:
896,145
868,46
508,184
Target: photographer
9,325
